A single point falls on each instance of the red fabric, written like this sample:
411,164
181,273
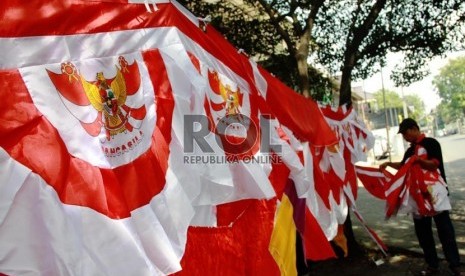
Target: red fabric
301,115
340,114
278,178
87,17
241,249
227,214
351,178
410,177
393,199
212,249
315,244
406,177
375,182
325,182
419,191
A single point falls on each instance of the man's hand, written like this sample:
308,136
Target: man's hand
426,164
395,165
383,166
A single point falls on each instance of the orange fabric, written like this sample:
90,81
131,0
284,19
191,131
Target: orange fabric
340,240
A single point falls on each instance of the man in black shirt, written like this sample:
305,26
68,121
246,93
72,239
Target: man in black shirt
423,224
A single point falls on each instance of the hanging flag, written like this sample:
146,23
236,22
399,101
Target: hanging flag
92,129
308,138
89,118
316,245
410,190
94,151
355,140
373,179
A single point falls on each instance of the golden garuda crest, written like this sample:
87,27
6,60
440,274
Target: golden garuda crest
232,100
232,115
107,96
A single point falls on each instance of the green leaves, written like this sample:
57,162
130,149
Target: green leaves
392,99
421,29
352,37
450,83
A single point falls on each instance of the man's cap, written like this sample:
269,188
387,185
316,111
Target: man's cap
407,123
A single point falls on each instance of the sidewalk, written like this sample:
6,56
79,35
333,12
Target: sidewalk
405,255
398,231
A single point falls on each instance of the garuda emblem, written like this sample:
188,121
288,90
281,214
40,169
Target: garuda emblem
232,115
106,95
231,101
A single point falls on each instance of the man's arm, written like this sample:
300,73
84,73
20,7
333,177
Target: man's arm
434,158
395,165
427,164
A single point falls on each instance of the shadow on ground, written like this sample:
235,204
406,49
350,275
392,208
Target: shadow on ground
405,257
398,262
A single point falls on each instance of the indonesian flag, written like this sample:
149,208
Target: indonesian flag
227,93
278,141
80,155
410,190
308,138
91,182
93,175
314,222
355,140
374,180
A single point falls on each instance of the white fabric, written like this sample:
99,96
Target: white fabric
246,180
30,51
60,239
305,187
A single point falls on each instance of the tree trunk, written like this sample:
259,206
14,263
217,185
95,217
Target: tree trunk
302,68
345,91
303,49
301,56
345,97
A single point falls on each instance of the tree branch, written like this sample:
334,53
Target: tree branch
362,31
284,35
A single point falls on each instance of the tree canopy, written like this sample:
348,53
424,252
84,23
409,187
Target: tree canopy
393,100
354,37
414,104
450,84
351,38
276,33
446,114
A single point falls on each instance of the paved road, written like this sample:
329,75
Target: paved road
398,231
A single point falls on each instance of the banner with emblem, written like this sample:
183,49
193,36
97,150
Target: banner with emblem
130,133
